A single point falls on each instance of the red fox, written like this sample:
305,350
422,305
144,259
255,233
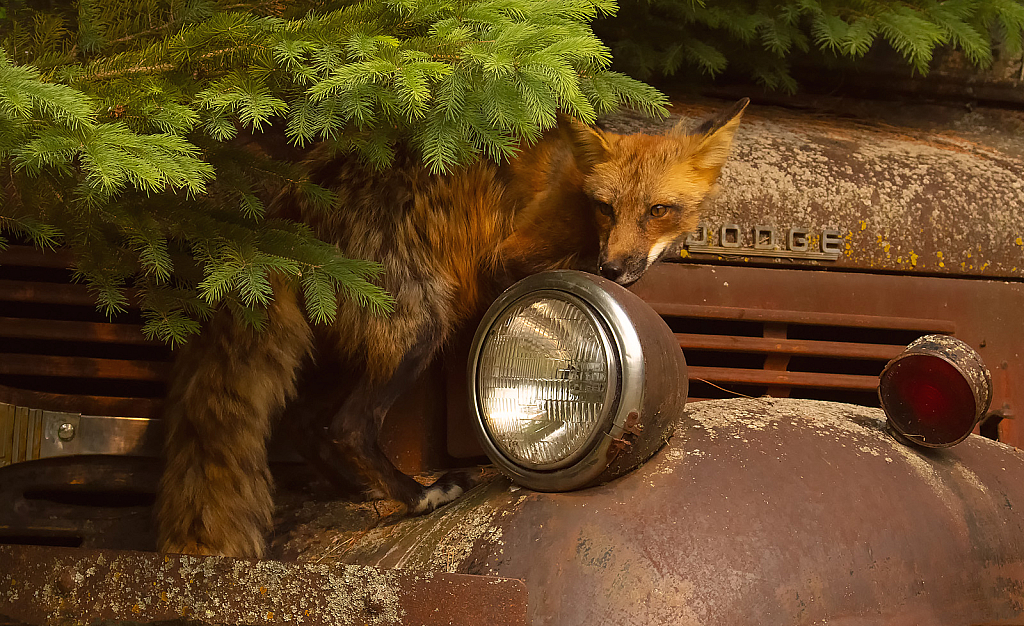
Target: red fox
449,244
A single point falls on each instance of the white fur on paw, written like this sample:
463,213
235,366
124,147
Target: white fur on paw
434,497
374,494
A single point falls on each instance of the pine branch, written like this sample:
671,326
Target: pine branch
667,36
146,136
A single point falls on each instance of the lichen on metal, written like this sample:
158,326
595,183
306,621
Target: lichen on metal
905,199
752,509
48,585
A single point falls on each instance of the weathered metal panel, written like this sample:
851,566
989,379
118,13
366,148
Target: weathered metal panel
90,501
29,434
902,199
984,313
760,511
60,585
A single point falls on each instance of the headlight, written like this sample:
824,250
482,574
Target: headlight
935,391
574,380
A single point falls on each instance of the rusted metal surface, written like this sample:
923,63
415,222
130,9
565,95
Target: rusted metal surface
760,511
903,199
985,314
45,293
59,354
84,402
92,502
673,306
768,377
87,367
64,330
793,347
29,256
951,75
59,585
885,85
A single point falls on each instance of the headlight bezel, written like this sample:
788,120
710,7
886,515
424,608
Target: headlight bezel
619,421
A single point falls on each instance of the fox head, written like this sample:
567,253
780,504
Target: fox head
647,190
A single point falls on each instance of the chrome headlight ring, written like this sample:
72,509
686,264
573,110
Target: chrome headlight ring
630,426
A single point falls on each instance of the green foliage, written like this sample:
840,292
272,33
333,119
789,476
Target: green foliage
149,136
760,37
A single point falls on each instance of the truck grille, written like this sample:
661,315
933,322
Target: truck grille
754,352
58,351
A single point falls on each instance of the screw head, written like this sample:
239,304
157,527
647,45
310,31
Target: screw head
66,431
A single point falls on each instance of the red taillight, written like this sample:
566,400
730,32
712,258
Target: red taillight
935,391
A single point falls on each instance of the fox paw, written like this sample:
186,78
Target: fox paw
447,488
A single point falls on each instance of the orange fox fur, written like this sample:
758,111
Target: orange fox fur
579,198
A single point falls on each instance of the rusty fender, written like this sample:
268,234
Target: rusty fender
759,511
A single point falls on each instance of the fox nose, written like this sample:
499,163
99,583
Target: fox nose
612,269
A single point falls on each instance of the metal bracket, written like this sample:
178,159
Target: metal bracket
29,434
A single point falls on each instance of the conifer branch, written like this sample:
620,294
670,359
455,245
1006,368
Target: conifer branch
156,159
651,37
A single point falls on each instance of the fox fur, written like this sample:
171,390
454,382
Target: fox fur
449,244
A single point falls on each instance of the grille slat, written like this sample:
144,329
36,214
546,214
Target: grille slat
59,353
82,367
795,347
755,352
65,330
784,379
45,293
812,318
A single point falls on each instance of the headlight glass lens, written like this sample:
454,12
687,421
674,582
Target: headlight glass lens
546,379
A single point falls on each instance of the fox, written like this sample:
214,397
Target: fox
577,198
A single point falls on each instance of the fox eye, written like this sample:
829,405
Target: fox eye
658,210
605,208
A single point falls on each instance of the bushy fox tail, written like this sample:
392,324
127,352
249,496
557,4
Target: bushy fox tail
216,493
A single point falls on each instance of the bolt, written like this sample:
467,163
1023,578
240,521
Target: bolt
66,432
66,581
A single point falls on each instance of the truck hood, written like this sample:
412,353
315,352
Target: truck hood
757,511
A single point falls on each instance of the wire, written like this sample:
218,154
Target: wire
735,393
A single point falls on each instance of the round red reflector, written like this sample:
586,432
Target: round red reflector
935,391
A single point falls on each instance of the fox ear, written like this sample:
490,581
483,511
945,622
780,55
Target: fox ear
713,138
589,145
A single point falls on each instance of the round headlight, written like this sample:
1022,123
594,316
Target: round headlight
547,371
571,378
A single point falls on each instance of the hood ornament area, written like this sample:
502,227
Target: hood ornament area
796,242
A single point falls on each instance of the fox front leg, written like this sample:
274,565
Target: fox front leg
353,438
